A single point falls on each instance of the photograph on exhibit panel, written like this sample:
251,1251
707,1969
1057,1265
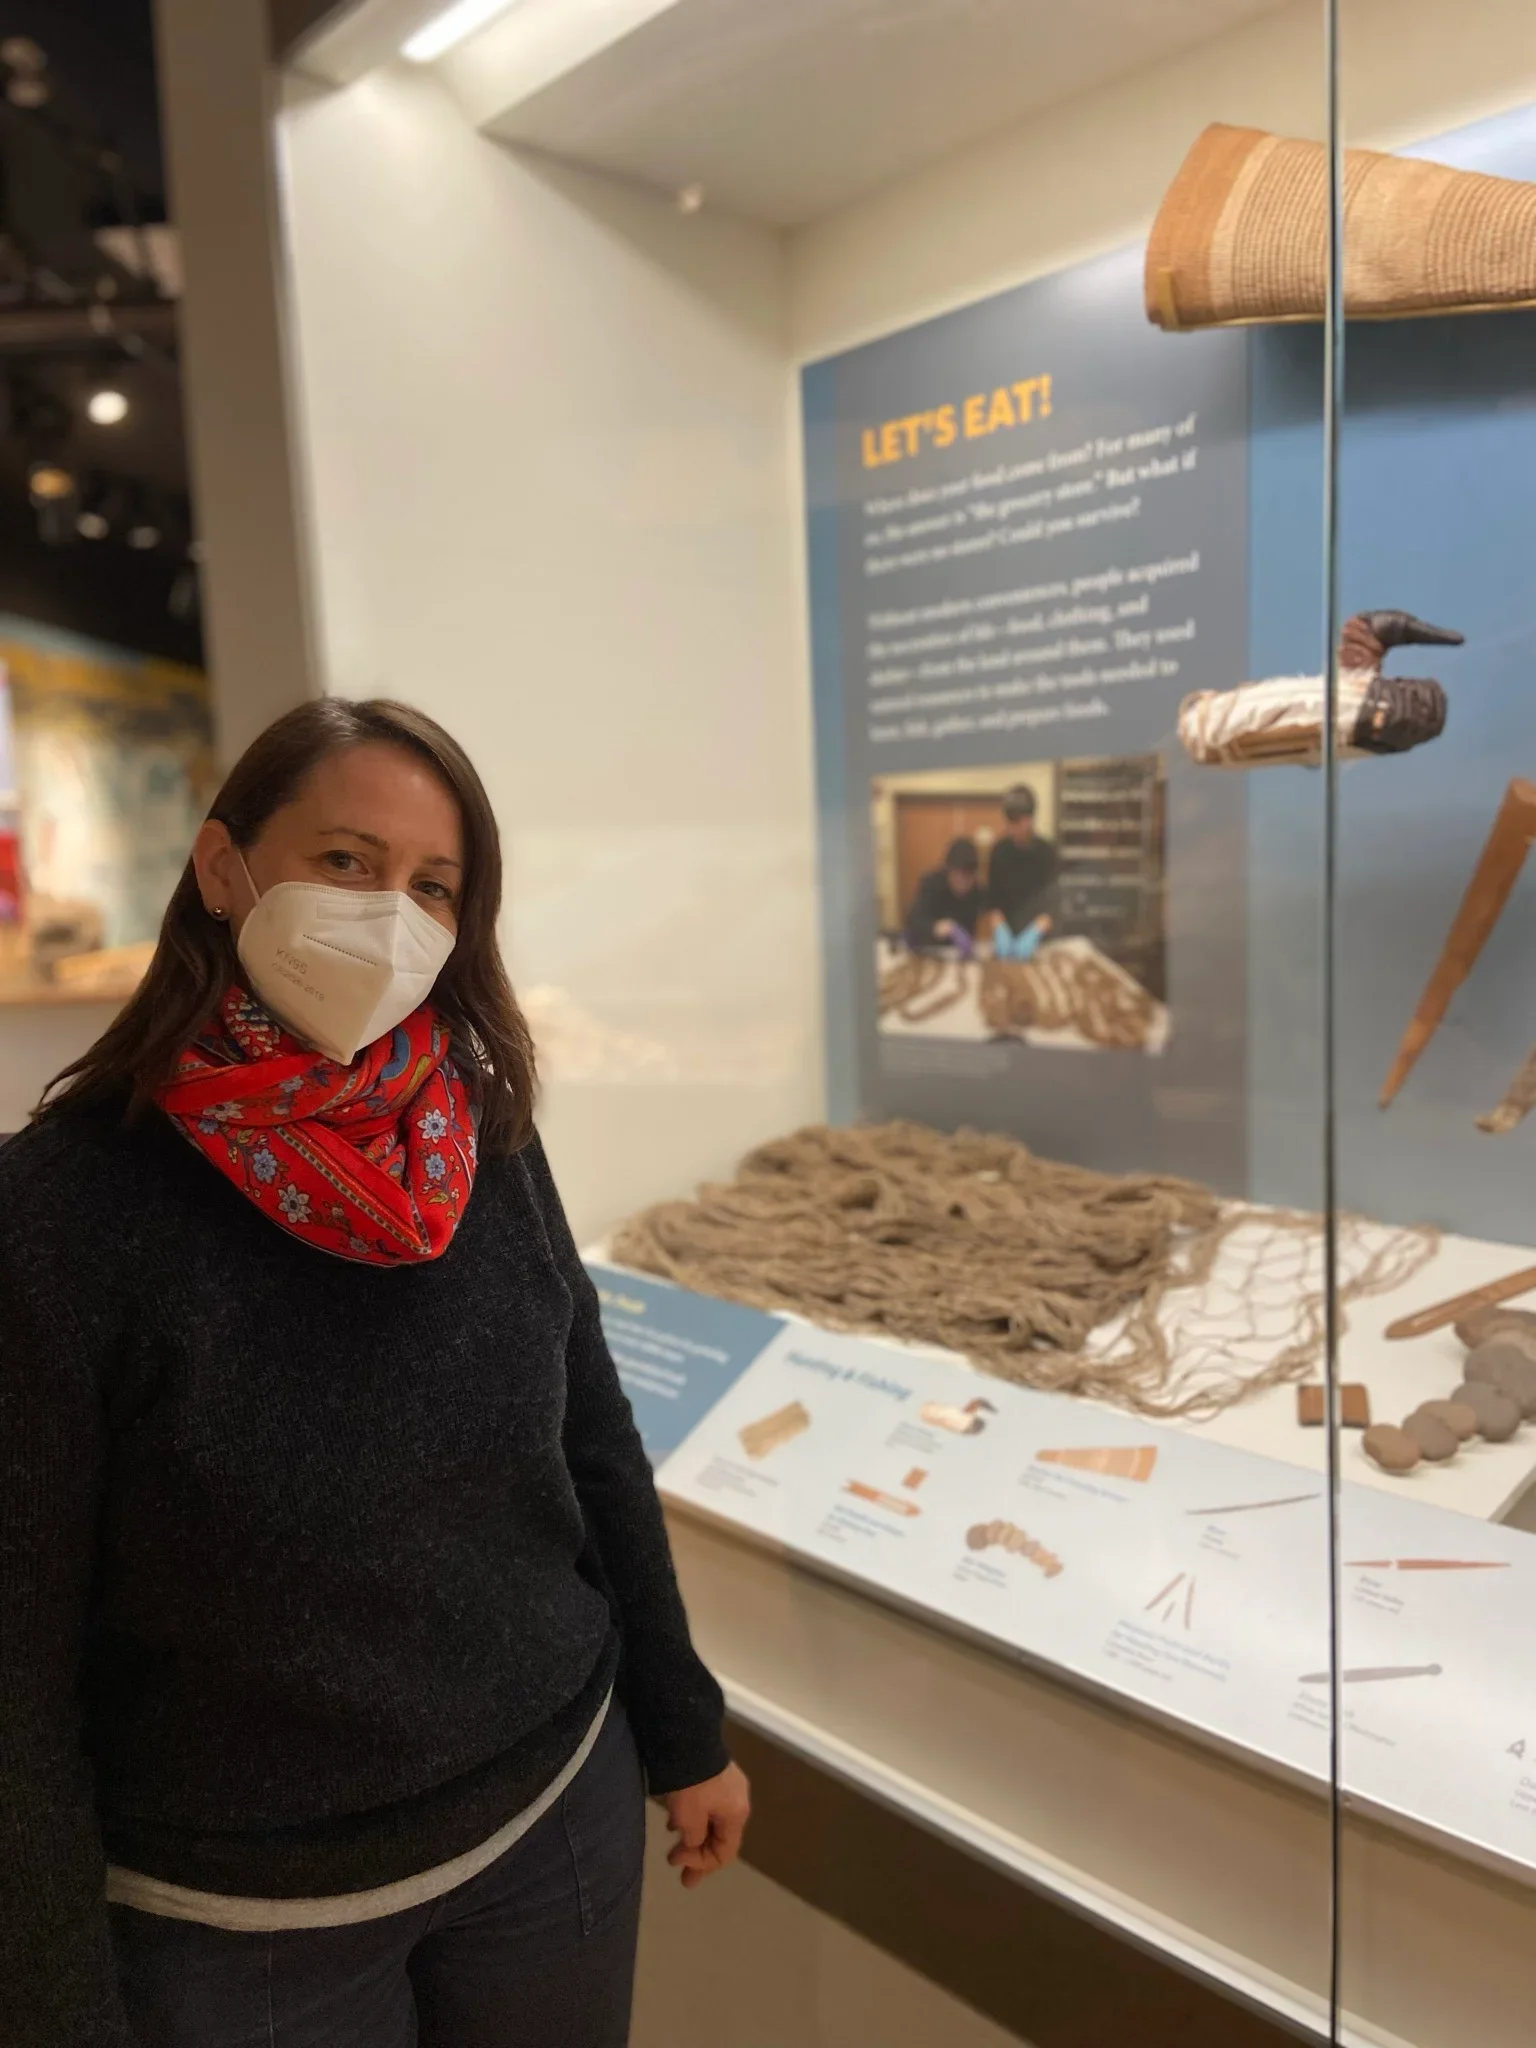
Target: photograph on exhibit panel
1026,902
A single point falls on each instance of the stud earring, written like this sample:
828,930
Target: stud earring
221,913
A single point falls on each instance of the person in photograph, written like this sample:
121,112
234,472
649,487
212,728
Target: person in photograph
342,1644
1021,880
949,901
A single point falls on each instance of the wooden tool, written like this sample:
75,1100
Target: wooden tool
1498,869
1460,1305
1354,1405
1519,1100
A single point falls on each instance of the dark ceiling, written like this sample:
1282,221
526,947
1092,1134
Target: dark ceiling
102,53
86,160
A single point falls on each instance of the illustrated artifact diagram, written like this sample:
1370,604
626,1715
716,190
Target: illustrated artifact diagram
892,1502
1168,1600
1252,1507
1008,1536
759,1439
1111,1461
1279,723
1368,1674
1426,1564
1498,868
967,1421
1242,236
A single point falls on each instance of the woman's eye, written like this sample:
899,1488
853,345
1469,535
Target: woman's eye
343,863
438,891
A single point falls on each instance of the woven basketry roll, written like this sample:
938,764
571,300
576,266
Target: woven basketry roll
1242,235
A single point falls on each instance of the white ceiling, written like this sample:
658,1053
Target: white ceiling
784,110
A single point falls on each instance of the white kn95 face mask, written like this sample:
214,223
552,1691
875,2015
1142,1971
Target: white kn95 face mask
340,967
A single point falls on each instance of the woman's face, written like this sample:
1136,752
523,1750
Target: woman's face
370,817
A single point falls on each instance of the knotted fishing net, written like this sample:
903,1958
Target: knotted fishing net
1137,1289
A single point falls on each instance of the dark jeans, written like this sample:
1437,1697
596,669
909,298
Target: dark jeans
538,1951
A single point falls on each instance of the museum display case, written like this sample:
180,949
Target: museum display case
821,608
1005,711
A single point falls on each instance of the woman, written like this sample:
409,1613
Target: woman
947,902
340,1636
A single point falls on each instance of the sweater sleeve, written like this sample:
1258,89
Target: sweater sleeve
56,1962
925,911
674,1705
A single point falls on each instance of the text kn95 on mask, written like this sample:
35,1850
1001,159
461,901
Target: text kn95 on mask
340,967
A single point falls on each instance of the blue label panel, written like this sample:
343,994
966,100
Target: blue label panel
677,1353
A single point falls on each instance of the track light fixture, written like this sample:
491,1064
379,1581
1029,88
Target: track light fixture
27,83
452,26
49,483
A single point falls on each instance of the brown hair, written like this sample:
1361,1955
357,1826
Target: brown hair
195,959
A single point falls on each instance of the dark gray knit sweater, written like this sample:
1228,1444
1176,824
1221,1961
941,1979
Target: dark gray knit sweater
311,1574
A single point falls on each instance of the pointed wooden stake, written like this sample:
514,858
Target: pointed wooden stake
1495,875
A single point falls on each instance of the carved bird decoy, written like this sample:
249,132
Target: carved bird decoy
1279,722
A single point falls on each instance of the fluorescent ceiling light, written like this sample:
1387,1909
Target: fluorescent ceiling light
450,27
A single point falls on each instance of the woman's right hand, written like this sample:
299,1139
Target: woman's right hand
709,1821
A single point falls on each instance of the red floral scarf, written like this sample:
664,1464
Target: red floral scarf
373,1161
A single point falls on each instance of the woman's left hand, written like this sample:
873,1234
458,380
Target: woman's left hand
709,1821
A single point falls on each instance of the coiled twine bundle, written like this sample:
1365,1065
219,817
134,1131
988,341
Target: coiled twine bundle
977,1244
919,986
971,1242
1059,990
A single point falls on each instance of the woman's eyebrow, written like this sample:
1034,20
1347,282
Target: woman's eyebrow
352,832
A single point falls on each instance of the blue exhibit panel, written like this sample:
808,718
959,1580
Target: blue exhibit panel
677,1352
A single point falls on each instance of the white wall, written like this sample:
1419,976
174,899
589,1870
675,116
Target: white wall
549,451
1087,176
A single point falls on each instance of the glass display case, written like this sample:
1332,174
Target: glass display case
1430,1008
1007,715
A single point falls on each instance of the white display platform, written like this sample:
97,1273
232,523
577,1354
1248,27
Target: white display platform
1179,1568
1179,1575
